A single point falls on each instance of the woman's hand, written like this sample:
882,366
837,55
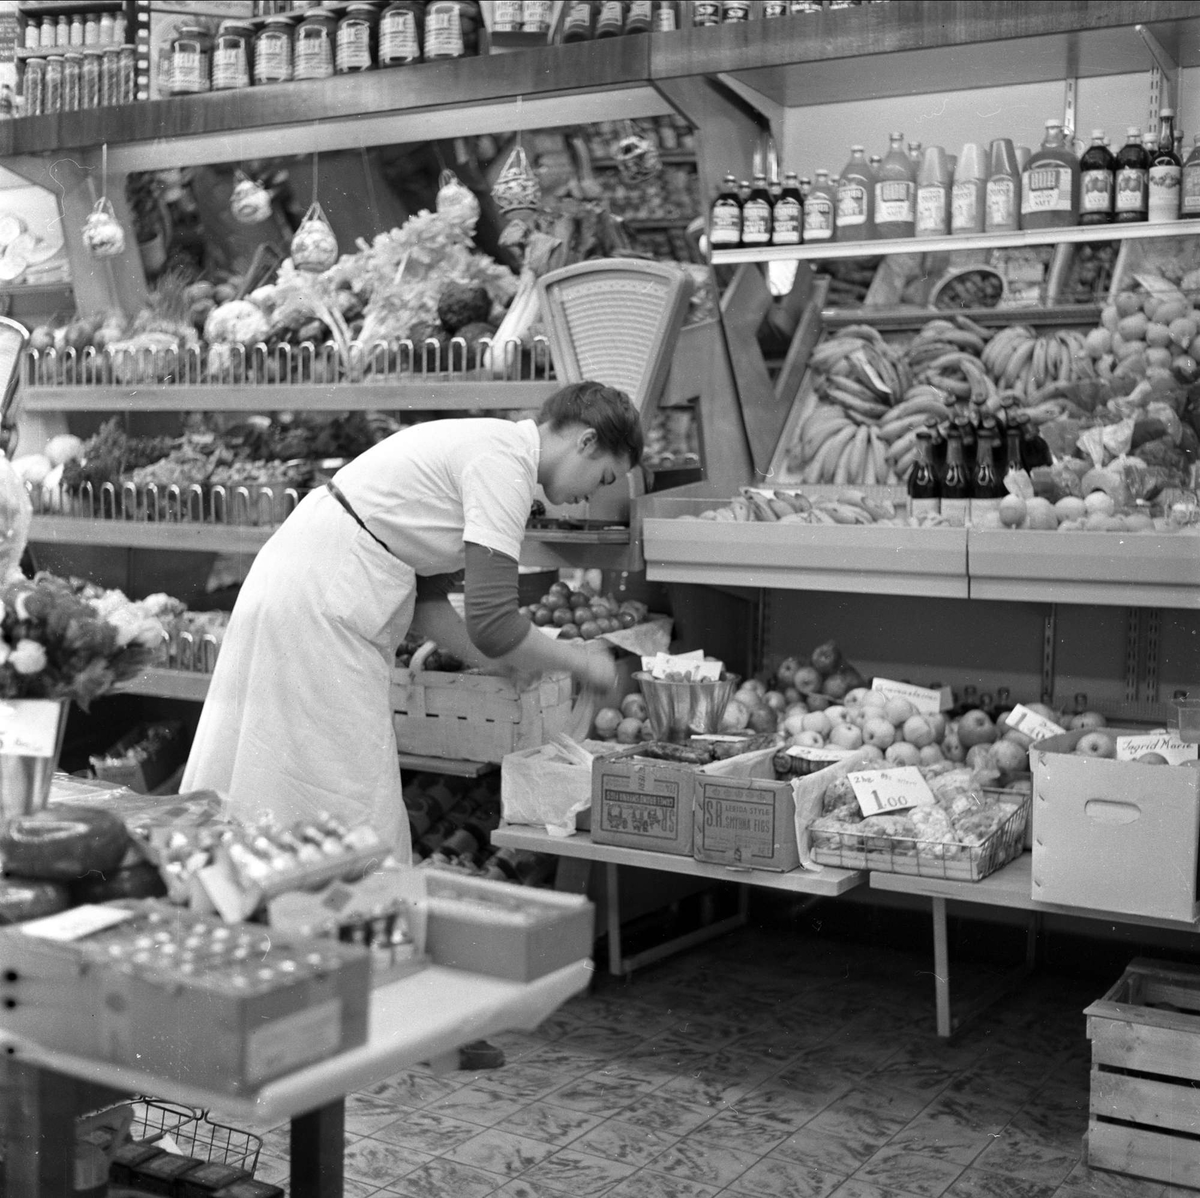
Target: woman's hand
597,673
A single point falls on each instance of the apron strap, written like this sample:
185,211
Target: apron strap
337,494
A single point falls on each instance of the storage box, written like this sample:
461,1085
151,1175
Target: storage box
1145,1091
142,759
476,717
503,930
743,816
643,803
551,784
1114,835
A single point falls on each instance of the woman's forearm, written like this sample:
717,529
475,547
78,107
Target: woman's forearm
436,620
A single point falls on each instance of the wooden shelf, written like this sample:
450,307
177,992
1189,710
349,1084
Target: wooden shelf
418,395
164,683
827,251
912,317
137,534
25,52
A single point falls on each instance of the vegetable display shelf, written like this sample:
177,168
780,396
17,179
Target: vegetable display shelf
142,534
905,317
828,250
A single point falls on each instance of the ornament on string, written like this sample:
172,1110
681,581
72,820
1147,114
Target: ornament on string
314,245
102,232
636,157
516,188
456,200
250,201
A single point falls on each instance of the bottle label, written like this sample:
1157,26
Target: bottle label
230,68
1001,209
931,209
353,45
1131,190
443,32
641,12
733,11
726,223
776,8
507,16
985,511
788,215
924,507
851,204
954,511
187,74
398,41
1096,191
706,12
964,208
894,202
1163,192
314,54
756,222
818,219
1190,199
1046,187
612,16
664,20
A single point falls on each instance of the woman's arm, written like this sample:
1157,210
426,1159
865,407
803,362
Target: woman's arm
435,619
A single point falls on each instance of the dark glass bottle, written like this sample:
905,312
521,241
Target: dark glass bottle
639,18
966,433
1013,456
924,490
578,20
989,426
1165,176
987,489
725,221
610,20
1034,450
1133,168
787,217
937,443
1189,203
1097,182
956,481
756,215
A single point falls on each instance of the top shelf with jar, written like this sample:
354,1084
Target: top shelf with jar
794,60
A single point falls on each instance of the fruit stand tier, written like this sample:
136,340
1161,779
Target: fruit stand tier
418,395
906,317
826,250
142,534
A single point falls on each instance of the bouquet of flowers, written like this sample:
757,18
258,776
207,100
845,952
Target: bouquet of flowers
64,639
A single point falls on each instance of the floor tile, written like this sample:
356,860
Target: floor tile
696,1159
943,1139
551,1124
1102,1184
595,1096
482,1104
909,1172
868,1116
857,1188
922,1080
445,1179
413,1089
375,1161
736,1129
1019,1155
501,1152
666,1112
645,1184
980,1183
775,1177
631,1143
428,1132
524,1188
601,1040
829,1150
366,1114
525,1080
1056,1128
580,1174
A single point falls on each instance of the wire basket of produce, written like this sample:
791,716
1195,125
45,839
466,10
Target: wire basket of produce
964,840
975,286
195,1133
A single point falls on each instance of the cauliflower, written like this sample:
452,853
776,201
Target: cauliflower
236,321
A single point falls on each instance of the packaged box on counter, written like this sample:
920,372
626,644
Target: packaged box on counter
643,802
744,817
142,759
503,930
1118,836
219,1006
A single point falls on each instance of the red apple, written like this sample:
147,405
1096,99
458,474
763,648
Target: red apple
976,728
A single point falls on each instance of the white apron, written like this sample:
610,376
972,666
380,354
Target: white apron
298,718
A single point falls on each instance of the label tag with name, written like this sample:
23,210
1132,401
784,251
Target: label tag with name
1166,744
1029,723
810,753
926,701
29,728
77,923
881,792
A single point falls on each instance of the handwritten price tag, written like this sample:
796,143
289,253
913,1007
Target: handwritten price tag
806,753
29,728
1029,723
1167,745
926,701
885,791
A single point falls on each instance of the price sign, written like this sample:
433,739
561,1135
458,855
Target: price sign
825,755
1030,724
29,728
76,923
925,700
881,792
1165,744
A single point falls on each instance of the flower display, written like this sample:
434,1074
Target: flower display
65,639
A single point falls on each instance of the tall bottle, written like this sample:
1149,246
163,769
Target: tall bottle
924,490
895,192
1189,200
935,182
1013,461
967,200
756,215
1165,177
1050,183
578,20
1133,167
1003,187
987,488
819,208
787,217
725,220
855,215
1034,450
1097,182
956,482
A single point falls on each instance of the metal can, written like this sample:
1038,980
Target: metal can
356,39
312,49
89,86
706,12
127,76
34,86
110,77
191,61
233,51
71,81
273,51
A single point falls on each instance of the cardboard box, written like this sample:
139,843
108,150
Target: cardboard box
743,816
1114,835
643,803
142,772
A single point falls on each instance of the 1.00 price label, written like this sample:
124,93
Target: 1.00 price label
883,792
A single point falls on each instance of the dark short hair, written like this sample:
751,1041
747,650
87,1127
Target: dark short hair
606,409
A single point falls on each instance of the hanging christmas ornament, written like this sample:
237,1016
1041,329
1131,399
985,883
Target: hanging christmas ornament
314,246
102,232
456,200
516,187
636,156
250,201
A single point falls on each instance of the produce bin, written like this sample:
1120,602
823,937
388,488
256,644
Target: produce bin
476,717
1145,1086
1114,835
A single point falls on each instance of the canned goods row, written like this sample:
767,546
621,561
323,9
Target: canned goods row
73,81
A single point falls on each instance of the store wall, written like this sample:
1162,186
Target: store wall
821,135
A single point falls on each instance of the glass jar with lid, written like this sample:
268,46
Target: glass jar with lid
312,46
401,33
191,61
451,29
233,53
273,50
33,86
72,80
356,38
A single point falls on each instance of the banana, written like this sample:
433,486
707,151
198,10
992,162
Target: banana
724,515
760,509
779,507
892,431
1037,375
1017,361
740,506
869,475
965,322
820,516
853,403
824,461
904,445
853,386
796,500
858,455
917,406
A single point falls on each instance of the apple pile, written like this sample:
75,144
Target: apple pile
582,614
627,725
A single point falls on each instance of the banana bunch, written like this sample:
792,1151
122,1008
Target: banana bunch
947,355
898,429
848,506
1029,367
860,372
831,447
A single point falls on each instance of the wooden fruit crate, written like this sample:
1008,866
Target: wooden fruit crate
1145,1096
476,717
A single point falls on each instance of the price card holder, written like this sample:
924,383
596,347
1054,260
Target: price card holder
1166,744
925,700
29,728
1030,724
77,923
884,792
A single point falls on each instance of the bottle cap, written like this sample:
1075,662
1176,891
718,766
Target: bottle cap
856,149
1097,134
1053,123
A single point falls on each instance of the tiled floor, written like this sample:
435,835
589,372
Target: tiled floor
756,1067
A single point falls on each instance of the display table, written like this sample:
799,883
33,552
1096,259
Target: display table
827,883
425,1017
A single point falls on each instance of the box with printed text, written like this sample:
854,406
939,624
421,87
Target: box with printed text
743,816
641,802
